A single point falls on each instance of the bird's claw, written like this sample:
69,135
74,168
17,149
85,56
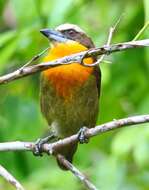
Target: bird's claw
37,151
37,148
82,135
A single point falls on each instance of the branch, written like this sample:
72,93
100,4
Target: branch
5,174
111,32
50,148
77,173
75,58
35,58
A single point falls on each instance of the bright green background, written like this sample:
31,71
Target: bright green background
115,160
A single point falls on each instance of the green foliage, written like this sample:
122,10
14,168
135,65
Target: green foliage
116,160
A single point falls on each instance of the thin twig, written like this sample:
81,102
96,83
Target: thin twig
141,31
116,124
77,173
5,174
110,35
75,58
111,31
35,58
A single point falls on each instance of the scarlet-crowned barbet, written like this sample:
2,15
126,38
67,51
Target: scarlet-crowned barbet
69,94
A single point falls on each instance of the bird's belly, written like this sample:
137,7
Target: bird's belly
66,78
67,117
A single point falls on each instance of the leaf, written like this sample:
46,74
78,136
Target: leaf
109,174
2,6
140,153
146,9
7,52
6,36
59,11
124,141
25,11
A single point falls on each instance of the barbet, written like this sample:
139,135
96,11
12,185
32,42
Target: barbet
69,94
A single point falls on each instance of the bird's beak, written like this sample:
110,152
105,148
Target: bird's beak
53,35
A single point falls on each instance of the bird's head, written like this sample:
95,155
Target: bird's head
67,33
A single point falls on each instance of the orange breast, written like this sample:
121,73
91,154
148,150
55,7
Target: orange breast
65,78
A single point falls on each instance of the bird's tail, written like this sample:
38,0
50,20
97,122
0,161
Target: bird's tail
67,152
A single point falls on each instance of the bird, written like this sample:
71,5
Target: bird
69,94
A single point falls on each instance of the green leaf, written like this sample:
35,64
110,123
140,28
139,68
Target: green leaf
146,8
25,11
59,11
124,141
109,174
7,52
2,6
6,36
140,153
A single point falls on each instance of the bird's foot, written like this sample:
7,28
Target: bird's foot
82,135
37,151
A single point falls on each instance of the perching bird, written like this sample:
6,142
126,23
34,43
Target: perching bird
69,94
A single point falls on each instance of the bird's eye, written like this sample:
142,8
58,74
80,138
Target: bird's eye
71,32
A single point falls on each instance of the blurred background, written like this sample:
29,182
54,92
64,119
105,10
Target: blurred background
115,160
